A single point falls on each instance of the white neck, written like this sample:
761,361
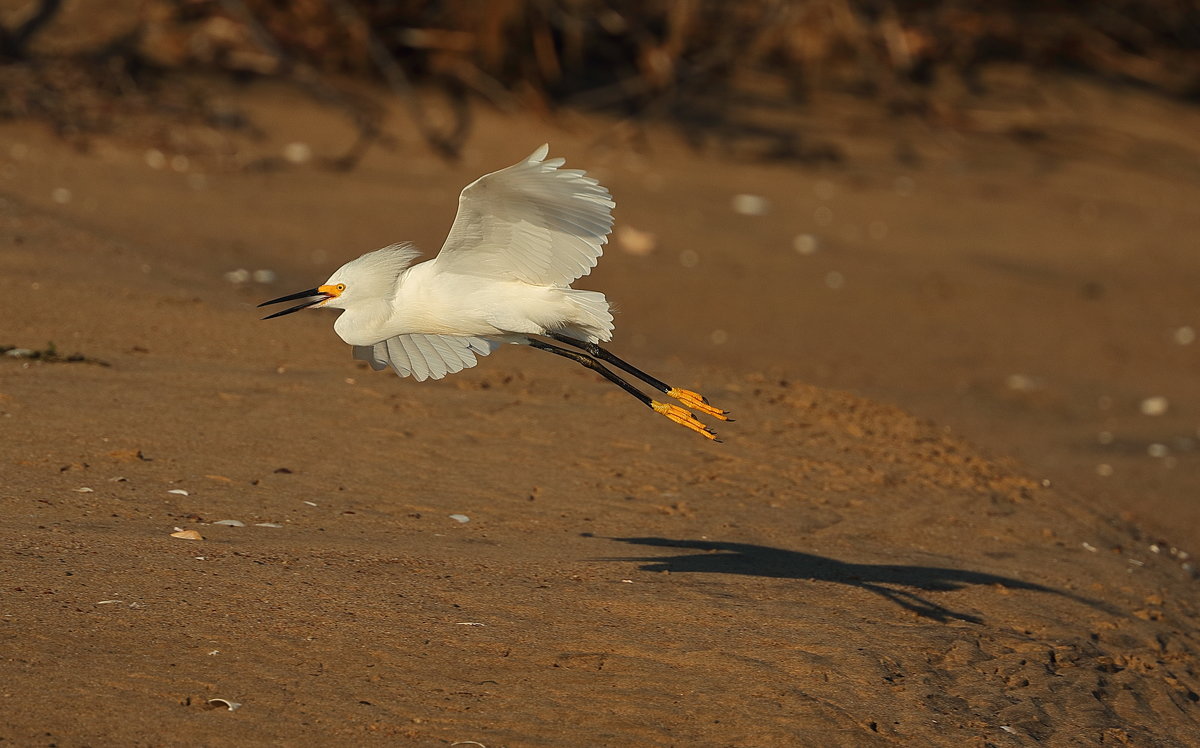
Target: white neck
365,323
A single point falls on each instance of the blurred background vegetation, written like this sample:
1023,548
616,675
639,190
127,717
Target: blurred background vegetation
723,71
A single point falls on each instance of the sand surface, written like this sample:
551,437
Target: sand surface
941,518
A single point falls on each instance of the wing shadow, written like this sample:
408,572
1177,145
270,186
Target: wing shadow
893,582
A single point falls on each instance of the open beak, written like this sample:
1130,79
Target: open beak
324,293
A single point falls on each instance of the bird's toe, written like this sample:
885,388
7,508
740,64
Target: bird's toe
699,402
683,418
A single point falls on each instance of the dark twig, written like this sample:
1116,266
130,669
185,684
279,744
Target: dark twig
13,43
447,144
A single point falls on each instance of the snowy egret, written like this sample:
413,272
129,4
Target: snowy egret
521,237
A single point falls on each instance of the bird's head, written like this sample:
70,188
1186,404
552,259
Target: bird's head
372,276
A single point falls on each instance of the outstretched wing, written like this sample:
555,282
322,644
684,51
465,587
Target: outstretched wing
532,222
425,356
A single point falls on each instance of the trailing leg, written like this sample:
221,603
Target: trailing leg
687,397
673,412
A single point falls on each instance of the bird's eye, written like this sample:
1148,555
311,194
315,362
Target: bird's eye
340,286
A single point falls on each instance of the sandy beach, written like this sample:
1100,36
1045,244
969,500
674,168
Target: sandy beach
957,506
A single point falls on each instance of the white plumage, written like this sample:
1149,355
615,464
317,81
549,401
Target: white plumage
521,236
533,222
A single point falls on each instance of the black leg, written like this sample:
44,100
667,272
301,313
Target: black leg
595,366
687,397
598,352
674,412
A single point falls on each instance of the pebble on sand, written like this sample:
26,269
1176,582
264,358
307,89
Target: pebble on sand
805,244
751,205
1154,406
297,153
187,535
634,241
156,159
460,518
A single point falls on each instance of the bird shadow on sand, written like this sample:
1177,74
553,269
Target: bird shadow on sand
893,582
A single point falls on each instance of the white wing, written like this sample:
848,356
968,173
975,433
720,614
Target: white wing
531,222
425,356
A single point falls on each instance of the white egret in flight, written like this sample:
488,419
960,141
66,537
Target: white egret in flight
521,236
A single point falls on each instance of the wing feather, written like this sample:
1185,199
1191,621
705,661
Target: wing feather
425,356
532,222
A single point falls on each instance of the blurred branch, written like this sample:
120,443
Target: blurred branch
13,43
447,144
728,69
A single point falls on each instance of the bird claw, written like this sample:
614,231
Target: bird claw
684,418
698,402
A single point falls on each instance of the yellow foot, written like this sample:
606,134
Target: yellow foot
683,418
699,402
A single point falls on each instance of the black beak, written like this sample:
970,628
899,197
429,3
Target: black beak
292,297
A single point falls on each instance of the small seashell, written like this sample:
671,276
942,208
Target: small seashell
267,524
460,518
230,522
230,705
109,602
84,489
187,535
179,491
311,503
